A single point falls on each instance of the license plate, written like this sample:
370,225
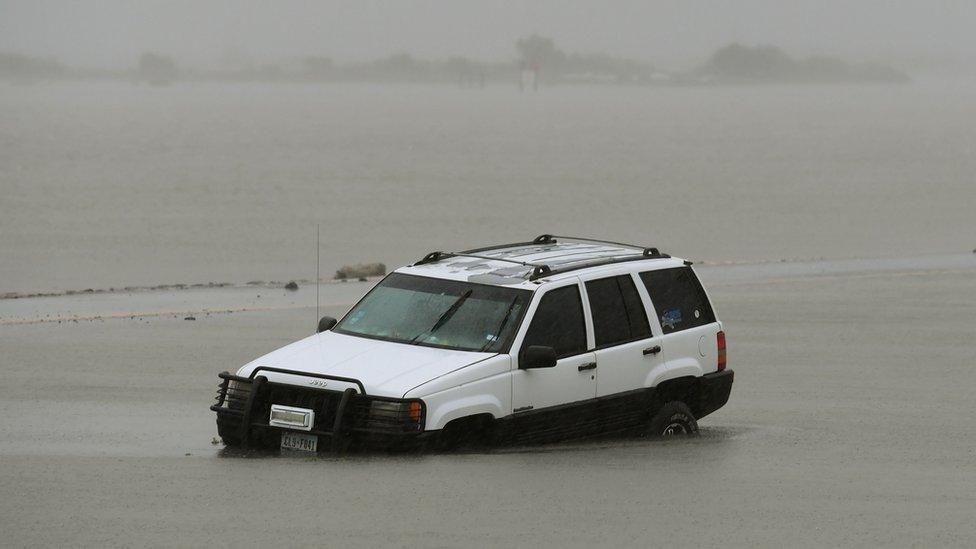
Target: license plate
299,441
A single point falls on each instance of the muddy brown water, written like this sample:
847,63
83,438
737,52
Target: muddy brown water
850,424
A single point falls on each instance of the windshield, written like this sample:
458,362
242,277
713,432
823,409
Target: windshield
438,313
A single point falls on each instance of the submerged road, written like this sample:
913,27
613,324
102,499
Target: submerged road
850,424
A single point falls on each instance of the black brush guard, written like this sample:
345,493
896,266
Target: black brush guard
243,407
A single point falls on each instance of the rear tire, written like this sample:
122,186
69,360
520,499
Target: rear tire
672,419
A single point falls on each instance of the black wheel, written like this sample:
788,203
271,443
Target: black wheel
229,434
672,419
231,441
473,432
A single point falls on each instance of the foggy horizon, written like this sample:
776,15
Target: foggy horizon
224,322
112,34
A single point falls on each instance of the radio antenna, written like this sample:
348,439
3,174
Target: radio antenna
318,263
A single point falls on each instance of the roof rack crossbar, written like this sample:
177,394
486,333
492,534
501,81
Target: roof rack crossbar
553,238
602,261
541,239
434,257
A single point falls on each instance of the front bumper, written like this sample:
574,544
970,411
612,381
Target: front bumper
342,418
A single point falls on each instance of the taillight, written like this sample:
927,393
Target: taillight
721,351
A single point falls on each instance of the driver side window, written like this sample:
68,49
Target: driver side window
558,322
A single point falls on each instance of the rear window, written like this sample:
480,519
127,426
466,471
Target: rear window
618,314
679,299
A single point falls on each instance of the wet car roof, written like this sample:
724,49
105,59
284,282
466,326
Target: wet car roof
514,265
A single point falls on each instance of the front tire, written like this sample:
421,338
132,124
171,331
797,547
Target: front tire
469,432
673,419
231,442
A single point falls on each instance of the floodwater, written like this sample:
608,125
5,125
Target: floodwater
111,185
835,224
850,424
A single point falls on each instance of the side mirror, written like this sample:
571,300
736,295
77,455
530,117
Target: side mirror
326,323
538,356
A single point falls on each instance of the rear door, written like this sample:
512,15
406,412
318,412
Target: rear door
627,352
556,319
686,318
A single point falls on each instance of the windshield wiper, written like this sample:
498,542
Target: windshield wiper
498,331
445,316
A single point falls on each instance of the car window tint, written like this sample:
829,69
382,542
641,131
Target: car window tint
679,299
558,322
618,314
636,314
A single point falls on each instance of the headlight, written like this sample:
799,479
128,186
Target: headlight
396,413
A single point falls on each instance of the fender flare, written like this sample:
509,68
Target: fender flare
689,368
441,413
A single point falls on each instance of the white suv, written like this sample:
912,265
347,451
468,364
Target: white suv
556,338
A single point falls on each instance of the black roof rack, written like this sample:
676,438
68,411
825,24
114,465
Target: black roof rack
647,253
541,239
540,270
434,257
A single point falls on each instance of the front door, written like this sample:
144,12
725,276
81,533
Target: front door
557,321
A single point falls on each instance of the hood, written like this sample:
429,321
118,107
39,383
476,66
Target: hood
384,368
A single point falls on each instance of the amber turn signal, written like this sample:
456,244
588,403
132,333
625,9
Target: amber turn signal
415,411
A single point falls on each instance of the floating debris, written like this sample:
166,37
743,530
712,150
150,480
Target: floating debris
361,270
190,318
291,286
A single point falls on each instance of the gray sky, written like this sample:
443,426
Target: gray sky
111,33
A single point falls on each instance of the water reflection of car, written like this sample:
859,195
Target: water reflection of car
551,339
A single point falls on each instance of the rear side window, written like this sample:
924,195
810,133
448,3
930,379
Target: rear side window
558,322
679,299
618,314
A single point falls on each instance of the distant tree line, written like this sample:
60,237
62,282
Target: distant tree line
15,65
540,55
738,63
534,53
157,69
537,59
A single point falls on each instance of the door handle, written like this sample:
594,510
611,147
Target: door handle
587,366
652,350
